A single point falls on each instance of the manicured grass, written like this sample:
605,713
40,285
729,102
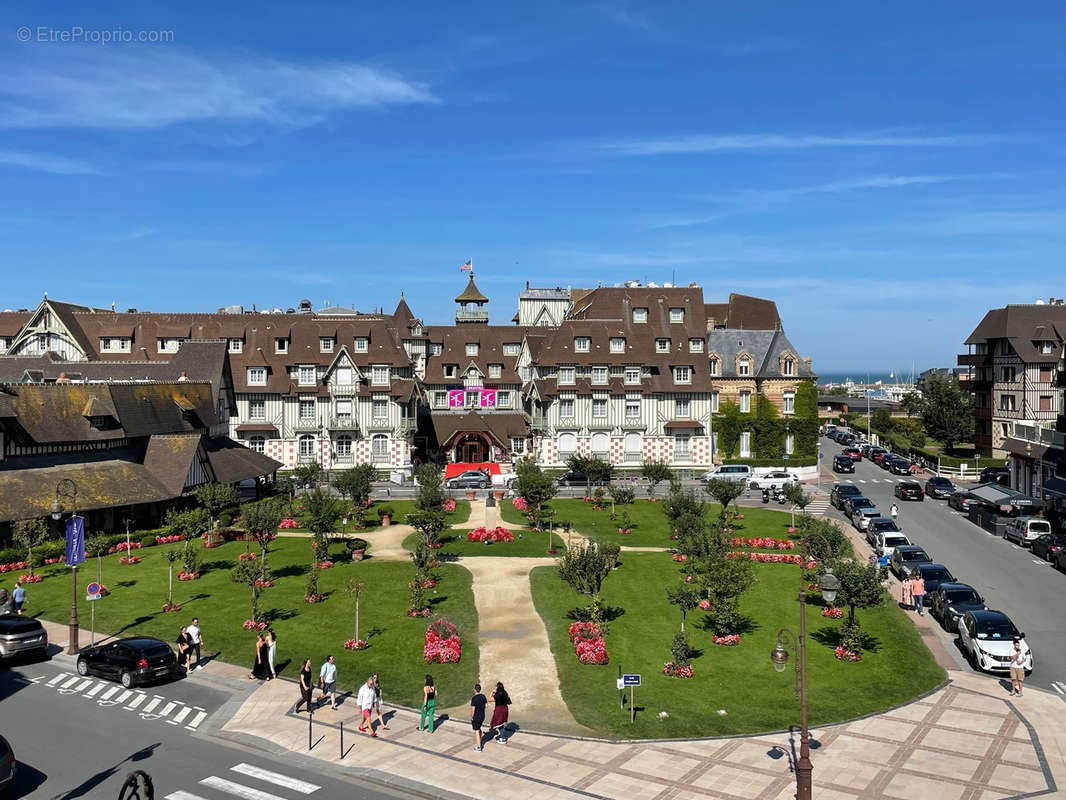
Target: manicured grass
402,509
531,545
650,527
740,680
304,630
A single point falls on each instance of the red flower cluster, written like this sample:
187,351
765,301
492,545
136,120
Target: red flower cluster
288,522
732,640
167,539
428,583
168,607
413,612
252,625
680,557
122,547
484,534
261,584
129,560
356,644
833,613
324,564
843,654
705,605
249,556
27,578
314,598
625,531
188,576
12,566
771,558
442,643
50,561
765,542
678,672
588,643
520,504
448,506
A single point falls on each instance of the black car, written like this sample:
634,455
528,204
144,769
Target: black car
843,464
934,575
138,659
886,460
471,479
939,487
880,525
899,466
909,490
961,501
8,765
574,479
950,601
843,492
906,558
1000,475
1048,545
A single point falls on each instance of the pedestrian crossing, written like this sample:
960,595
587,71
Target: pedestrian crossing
1059,687
146,705
817,507
248,783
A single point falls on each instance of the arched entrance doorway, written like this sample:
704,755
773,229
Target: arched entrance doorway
471,448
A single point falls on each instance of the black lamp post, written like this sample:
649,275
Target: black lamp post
67,490
829,584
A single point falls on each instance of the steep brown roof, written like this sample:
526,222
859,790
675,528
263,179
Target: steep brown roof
1024,325
501,425
490,340
471,294
232,462
170,457
11,322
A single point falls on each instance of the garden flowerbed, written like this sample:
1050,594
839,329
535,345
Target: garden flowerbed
772,558
442,643
731,640
764,543
167,539
324,564
490,536
129,560
674,671
356,644
261,584
123,547
35,578
188,576
252,625
288,523
843,654
833,613
314,598
248,556
587,638
416,612
13,566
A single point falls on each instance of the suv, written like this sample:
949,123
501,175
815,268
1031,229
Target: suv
987,638
1024,529
950,601
905,558
773,480
934,575
881,525
842,492
843,464
1000,475
22,636
909,490
573,479
939,488
471,479
854,453
861,510
732,472
900,466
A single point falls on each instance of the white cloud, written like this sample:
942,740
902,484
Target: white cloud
755,142
1003,222
57,165
130,89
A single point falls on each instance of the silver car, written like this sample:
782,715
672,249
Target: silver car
773,480
22,636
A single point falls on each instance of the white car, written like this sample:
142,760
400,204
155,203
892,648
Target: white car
731,472
885,543
987,638
773,480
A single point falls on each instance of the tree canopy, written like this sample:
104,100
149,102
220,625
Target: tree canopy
947,414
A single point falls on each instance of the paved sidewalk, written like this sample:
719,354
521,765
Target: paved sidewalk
966,741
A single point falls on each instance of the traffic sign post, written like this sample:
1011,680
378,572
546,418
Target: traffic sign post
94,591
632,681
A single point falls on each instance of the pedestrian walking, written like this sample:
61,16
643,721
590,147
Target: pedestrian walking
477,714
18,597
307,689
429,701
260,669
183,647
196,641
894,512
272,649
365,699
905,593
1017,669
501,701
377,702
918,590
327,682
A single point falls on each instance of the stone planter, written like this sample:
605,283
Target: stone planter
499,494
358,555
386,521
470,494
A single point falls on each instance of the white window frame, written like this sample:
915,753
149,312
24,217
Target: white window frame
788,368
306,375
582,344
340,406
567,407
450,370
716,366
744,401
745,444
683,445
362,344
377,403
682,374
715,399
617,344
346,379
440,399
567,376
682,408
790,443
511,349
1046,347
236,345
518,446
599,404
257,409
281,345
599,376
695,345
325,344
253,373
788,403
306,403
677,316
632,408
379,447
168,344
744,367
495,370
629,376
662,345
503,399
472,348
257,443
342,446
640,315
376,373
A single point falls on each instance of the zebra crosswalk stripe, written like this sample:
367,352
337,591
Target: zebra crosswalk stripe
57,679
95,690
200,715
303,787
180,795
1059,687
237,789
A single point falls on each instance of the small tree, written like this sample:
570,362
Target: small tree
429,524
912,403
28,534
172,556
96,546
247,572
946,414
418,591
323,512
686,597
261,521
430,487
680,501
724,491
535,488
356,484
188,525
881,420
655,472
309,475
215,497
681,650
287,487
354,590
585,568
861,586
594,468
798,498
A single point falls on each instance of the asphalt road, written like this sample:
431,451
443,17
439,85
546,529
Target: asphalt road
71,746
1029,590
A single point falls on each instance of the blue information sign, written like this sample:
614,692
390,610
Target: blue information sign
75,541
631,680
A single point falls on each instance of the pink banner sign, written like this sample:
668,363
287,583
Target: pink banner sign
455,398
488,398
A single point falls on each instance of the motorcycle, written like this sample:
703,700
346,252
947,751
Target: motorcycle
766,495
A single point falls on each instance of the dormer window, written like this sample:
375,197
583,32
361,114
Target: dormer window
695,345
495,370
281,345
115,344
662,345
362,344
325,344
306,375
169,344
640,315
789,367
236,345
567,375
450,370
581,344
1046,348
716,366
471,348
677,315
511,348
379,375
618,345
744,367
257,376
682,374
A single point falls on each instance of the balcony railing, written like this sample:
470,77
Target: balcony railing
538,422
345,423
461,315
306,424
974,359
381,458
346,458
1037,434
307,458
634,458
380,424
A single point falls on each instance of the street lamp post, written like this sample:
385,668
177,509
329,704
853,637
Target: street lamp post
67,490
829,584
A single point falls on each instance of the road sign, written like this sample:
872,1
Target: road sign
96,596
631,680
821,455
93,588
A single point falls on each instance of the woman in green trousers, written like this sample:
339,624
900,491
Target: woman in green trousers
429,702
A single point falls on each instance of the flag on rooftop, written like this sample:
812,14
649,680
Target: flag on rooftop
467,265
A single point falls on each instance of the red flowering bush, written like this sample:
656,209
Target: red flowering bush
833,613
314,598
261,584
686,671
288,522
167,539
520,504
418,612
729,641
448,506
484,534
168,607
356,644
442,643
588,643
843,654
129,560
705,605
764,542
27,578
252,625
680,557
772,558
122,547
324,564
12,566
188,576
428,583
249,556
50,561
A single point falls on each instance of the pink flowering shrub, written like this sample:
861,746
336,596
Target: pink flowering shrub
288,522
686,671
356,644
731,640
123,547
520,504
680,557
833,613
448,506
589,646
705,605
843,654
442,643
484,534
129,560
187,576
167,539
249,556
772,558
27,578
252,625
11,566
764,542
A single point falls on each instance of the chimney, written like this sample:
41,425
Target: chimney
807,363
183,378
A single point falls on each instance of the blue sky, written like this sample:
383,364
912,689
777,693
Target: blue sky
886,172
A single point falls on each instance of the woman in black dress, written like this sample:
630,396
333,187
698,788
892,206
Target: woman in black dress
261,670
306,687
183,643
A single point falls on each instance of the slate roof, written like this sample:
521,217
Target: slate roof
1024,326
169,458
743,312
766,348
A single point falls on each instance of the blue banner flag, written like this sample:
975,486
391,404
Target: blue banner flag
75,541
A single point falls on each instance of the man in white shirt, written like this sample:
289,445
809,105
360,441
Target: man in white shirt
366,699
327,681
195,642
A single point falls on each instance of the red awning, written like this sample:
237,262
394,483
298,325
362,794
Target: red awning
451,470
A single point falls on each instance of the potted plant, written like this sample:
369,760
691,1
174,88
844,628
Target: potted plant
385,515
357,548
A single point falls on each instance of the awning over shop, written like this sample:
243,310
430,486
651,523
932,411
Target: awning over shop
682,424
257,427
1002,496
501,426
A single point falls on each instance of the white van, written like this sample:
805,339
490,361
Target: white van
742,473
1024,529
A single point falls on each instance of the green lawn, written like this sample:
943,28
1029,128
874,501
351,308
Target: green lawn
402,509
739,680
303,630
649,527
531,545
